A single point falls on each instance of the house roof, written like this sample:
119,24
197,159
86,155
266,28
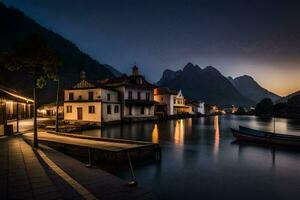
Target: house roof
133,81
13,95
88,84
165,90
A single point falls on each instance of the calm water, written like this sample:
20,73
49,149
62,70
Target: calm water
201,160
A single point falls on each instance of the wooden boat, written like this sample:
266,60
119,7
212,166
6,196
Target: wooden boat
248,134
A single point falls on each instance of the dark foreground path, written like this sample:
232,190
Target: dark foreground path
25,175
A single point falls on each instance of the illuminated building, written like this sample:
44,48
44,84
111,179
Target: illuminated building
49,110
136,95
171,102
91,102
13,106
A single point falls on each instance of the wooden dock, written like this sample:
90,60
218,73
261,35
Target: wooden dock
116,150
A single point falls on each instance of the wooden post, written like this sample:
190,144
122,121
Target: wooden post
89,165
132,182
17,117
57,107
35,136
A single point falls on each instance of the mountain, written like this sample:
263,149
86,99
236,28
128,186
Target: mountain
15,26
248,87
286,98
207,84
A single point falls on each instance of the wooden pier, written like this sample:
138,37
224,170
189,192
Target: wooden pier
99,149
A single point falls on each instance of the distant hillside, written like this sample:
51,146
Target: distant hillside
290,107
248,87
286,98
206,84
15,26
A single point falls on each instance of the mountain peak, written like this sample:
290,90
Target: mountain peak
248,87
191,67
207,85
245,77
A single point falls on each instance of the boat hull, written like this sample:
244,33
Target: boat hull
266,137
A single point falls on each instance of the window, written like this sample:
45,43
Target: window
174,101
130,110
69,109
162,99
79,97
116,109
108,97
91,109
139,95
148,96
71,96
108,109
142,110
91,96
129,95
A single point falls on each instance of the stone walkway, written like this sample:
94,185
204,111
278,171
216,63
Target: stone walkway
24,175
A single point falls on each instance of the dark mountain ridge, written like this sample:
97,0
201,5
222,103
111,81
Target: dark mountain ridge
15,26
207,84
248,87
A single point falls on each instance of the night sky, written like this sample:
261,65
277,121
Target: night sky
259,38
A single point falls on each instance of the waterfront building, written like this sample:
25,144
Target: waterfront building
49,110
170,102
13,106
136,95
91,102
197,106
165,101
180,104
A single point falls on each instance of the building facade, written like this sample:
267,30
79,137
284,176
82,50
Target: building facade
136,95
91,102
198,107
49,110
165,101
171,102
13,106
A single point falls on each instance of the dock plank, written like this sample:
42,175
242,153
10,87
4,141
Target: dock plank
112,146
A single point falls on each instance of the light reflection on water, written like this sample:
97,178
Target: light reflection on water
201,160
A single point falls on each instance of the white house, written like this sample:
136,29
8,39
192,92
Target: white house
197,106
180,105
170,102
165,100
91,102
136,95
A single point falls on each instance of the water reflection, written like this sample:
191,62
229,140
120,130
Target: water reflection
217,136
179,132
155,134
200,171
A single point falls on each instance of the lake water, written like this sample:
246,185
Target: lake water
200,159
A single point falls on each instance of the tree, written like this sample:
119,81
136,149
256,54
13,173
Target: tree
241,111
264,107
35,56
